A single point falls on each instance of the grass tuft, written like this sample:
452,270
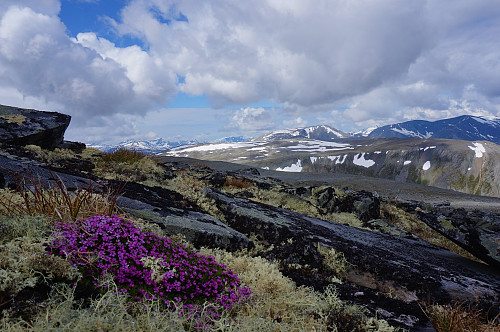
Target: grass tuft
457,317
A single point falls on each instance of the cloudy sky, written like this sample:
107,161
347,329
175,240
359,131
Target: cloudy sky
133,69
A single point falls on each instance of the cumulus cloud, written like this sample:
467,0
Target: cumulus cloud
41,62
318,55
252,120
296,122
366,62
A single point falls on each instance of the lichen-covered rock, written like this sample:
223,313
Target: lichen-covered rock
328,199
176,215
476,231
413,268
20,126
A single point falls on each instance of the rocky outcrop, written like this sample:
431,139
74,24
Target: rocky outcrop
328,199
24,126
172,212
414,269
476,231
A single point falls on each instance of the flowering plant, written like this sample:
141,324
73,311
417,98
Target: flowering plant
145,265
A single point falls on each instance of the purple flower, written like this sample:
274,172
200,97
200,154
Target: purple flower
145,265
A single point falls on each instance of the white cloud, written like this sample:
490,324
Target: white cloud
371,62
150,77
251,119
296,122
48,7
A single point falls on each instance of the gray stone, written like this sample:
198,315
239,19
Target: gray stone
23,126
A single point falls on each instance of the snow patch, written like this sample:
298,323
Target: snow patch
318,146
266,168
361,161
297,167
313,159
212,147
426,166
410,133
478,148
407,162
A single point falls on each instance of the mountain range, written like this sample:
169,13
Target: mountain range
459,153
465,127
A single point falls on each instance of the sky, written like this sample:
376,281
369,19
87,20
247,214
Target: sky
191,69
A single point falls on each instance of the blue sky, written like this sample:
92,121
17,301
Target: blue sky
140,69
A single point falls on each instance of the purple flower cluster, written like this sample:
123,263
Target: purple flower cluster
144,264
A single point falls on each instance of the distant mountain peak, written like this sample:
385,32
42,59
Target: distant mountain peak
464,127
319,132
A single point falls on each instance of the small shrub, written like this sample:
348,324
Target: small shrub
129,165
146,266
335,261
241,183
123,156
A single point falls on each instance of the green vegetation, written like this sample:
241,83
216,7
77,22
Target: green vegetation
27,223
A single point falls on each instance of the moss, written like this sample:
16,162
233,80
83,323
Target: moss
446,223
14,118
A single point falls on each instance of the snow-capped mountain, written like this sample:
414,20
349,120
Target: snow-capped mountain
146,146
322,133
465,127
159,144
232,139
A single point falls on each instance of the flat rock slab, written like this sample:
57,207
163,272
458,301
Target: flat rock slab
20,126
176,215
418,270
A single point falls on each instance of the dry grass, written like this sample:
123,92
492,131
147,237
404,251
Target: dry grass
240,183
32,197
457,317
128,165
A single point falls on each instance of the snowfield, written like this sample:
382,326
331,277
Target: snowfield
478,148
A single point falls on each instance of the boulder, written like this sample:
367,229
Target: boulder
476,231
20,126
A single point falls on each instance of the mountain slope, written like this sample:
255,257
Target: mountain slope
470,167
322,133
146,146
466,127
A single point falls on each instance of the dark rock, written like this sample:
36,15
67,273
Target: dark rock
476,231
478,234
23,126
245,194
245,171
75,164
202,230
413,269
216,179
76,147
364,204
